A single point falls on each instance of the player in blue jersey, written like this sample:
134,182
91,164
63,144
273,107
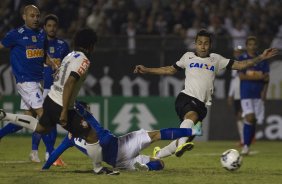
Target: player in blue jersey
254,84
57,50
200,68
123,152
27,46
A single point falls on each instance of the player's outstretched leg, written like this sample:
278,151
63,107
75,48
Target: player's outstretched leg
153,165
181,149
25,121
9,129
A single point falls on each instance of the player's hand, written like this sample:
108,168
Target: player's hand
140,69
63,118
269,53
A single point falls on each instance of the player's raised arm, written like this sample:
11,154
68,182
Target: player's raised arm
166,70
267,53
1,46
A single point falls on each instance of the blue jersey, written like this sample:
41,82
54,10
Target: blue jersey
27,53
252,88
109,144
57,50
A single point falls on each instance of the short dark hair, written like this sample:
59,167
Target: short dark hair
51,17
85,38
251,38
204,32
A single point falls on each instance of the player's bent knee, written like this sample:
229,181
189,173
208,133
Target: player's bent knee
156,165
41,129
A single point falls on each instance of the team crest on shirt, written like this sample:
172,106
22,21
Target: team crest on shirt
34,39
52,50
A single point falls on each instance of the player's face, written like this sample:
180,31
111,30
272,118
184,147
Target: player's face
51,28
31,18
251,46
203,46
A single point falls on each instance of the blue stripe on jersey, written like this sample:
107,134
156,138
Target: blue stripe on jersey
251,88
57,50
27,53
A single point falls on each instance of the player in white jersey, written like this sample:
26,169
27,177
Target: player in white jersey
234,95
200,67
59,104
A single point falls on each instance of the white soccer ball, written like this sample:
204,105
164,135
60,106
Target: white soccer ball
231,160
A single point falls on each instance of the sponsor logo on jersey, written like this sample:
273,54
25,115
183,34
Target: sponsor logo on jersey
34,53
202,66
83,67
25,38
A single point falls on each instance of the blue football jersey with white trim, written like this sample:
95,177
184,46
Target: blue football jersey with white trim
57,50
26,53
252,88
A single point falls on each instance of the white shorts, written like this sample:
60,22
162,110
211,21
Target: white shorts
255,106
31,95
129,147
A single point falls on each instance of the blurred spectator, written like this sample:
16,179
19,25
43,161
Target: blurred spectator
155,17
277,41
191,34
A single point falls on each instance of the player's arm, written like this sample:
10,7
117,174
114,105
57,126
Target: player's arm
65,144
1,46
166,70
253,75
67,93
49,61
240,65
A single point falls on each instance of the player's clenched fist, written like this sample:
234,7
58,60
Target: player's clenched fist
140,69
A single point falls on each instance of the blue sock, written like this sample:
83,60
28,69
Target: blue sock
175,133
9,129
35,139
155,165
53,136
65,144
248,131
48,142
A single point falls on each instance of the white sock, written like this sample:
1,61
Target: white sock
187,123
240,126
167,150
94,151
171,148
25,121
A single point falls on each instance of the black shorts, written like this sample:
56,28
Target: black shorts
185,103
237,106
51,117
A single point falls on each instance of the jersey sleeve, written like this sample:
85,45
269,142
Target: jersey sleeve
223,62
180,64
10,39
80,66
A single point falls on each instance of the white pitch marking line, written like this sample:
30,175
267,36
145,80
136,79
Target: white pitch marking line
217,154
14,162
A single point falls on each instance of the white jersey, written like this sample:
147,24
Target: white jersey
75,62
200,74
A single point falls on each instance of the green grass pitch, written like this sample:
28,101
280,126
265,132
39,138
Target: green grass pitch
201,165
